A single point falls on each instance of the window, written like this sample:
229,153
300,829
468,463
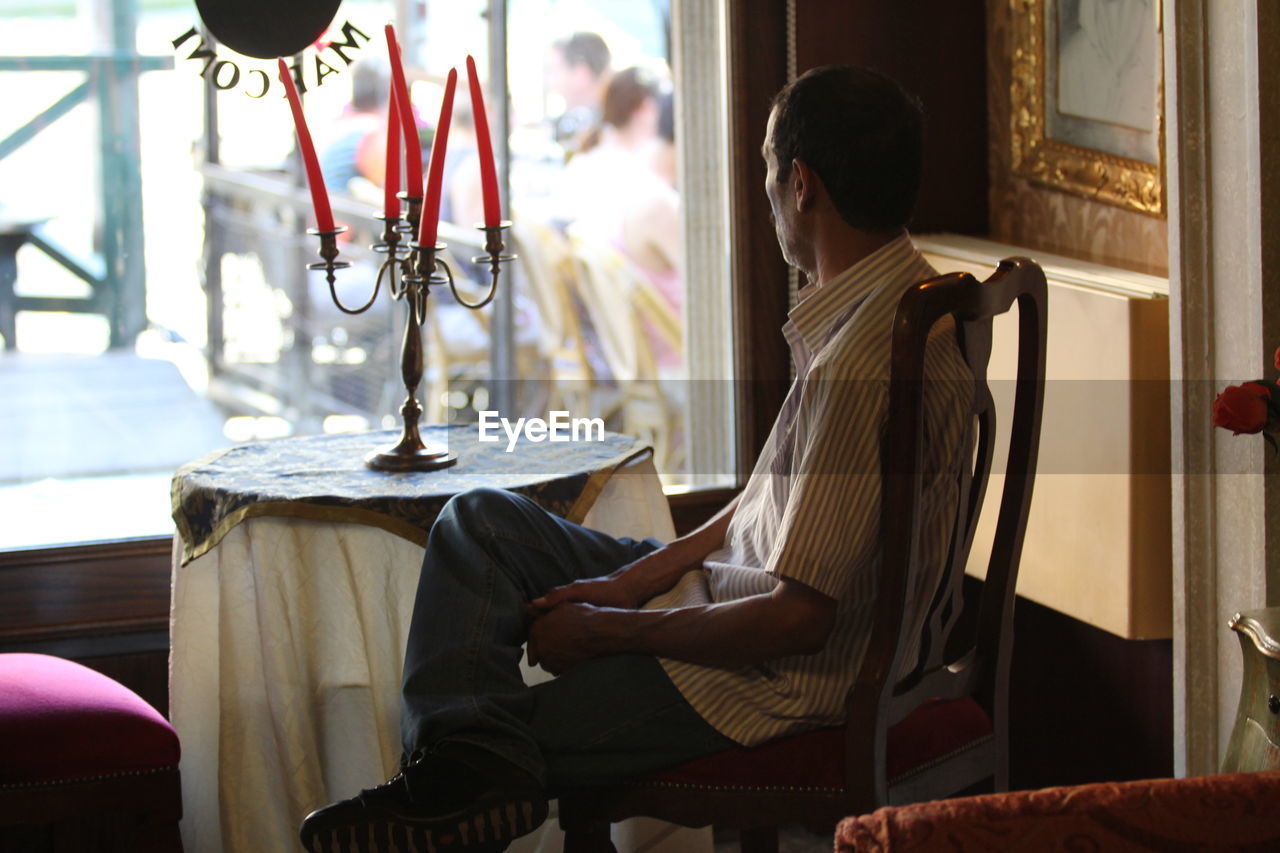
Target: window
175,316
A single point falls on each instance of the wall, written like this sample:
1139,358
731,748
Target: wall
1085,705
935,49
104,605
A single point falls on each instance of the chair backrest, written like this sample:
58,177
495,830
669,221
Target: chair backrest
547,267
657,315
957,657
607,286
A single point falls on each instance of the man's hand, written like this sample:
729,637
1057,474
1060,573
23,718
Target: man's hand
567,635
793,619
628,587
610,591
656,572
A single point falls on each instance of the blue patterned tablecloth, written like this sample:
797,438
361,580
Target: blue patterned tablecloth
324,478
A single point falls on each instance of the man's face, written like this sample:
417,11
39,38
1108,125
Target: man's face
574,83
782,212
557,72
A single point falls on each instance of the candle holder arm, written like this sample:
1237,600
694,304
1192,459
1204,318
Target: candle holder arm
494,257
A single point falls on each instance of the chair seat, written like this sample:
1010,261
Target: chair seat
63,722
935,730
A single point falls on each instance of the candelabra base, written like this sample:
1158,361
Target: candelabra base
408,457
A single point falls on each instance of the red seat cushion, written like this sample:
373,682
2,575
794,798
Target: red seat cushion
816,759
60,721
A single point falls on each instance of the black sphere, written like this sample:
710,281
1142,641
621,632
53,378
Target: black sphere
267,28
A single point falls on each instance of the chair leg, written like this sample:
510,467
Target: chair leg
758,839
1000,779
588,838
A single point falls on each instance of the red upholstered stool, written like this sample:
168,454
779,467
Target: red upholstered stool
85,764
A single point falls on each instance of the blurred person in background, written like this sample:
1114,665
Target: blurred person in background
615,154
578,70
611,192
664,156
463,201
356,139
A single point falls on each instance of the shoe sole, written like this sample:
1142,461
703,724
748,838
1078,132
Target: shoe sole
499,824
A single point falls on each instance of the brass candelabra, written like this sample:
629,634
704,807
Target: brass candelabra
411,270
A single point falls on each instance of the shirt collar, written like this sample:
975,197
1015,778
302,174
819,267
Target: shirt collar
821,307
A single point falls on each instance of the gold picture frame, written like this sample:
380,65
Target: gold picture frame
1076,129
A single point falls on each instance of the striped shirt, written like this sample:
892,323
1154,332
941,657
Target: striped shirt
811,508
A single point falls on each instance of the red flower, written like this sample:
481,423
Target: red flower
1242,408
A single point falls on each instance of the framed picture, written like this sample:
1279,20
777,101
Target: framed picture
1088,99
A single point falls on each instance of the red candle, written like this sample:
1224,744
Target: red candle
315,180
391,179
484,147
435,176
412,147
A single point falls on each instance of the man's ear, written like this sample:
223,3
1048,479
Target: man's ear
804,185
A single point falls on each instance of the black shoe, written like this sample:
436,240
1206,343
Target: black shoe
459,798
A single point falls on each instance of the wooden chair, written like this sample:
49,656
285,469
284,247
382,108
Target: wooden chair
573,383
943,727
618,301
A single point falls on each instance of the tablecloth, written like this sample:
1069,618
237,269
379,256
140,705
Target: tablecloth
323,477
287,643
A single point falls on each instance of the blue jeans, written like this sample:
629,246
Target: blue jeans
489,554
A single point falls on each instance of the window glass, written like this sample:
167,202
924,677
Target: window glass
163,306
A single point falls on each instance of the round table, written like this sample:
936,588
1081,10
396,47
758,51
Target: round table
294,576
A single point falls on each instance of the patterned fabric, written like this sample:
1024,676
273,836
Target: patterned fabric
324,478
1236,811
811,509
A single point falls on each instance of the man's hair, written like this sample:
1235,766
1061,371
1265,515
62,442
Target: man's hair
369,80
861,133
585,48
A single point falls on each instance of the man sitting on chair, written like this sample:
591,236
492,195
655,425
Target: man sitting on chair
744,630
